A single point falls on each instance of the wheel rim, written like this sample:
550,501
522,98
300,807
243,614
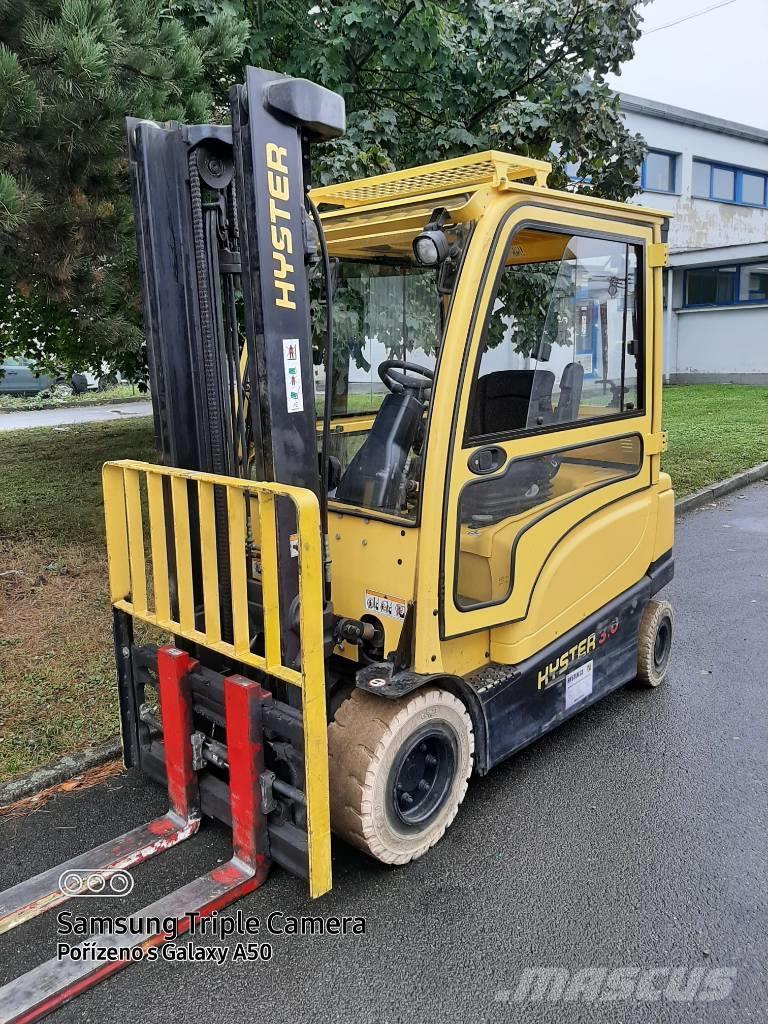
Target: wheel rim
422,775
662,644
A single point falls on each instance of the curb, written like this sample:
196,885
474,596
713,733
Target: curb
85,404
75,764
61,771
732,483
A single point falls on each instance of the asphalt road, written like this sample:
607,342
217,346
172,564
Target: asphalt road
73,414
634,836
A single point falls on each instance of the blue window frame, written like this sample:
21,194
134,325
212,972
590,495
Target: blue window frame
734,285
658,172
727,184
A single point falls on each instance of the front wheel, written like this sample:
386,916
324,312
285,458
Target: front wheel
654,646
398,771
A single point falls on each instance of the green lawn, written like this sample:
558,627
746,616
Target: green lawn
18,403
715,430
51,478
56,662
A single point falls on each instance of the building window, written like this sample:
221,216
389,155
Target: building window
729,184
710,286
726,286
753,189
723,184
659,172
754,284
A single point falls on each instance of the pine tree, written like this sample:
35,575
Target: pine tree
70,70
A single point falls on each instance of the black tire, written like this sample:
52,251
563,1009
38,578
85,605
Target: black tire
654,647
79,383
384,752
107,382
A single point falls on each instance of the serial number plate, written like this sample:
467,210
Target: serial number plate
380,604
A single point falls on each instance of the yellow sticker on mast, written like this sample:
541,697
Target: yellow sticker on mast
281,235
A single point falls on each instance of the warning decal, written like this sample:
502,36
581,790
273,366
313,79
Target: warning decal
578,684
292,365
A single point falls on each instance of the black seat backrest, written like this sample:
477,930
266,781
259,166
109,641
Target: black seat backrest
511,399
569,400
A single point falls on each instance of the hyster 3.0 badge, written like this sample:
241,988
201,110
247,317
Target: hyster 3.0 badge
553,672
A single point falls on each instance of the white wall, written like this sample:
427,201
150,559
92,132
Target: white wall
702,223
704,340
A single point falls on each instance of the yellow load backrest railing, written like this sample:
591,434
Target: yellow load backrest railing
247,503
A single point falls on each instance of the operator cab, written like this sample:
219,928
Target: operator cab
537,369
389,312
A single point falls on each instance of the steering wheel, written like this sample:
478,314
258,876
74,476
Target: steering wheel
397,382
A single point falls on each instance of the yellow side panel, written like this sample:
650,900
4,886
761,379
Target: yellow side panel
465,654
573,582
368,555
665,520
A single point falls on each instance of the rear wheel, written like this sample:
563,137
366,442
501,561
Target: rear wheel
398,771
654,643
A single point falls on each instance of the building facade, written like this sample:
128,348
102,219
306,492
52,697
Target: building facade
712,177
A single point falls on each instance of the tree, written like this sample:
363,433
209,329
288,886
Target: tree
70,70
422,80
427,79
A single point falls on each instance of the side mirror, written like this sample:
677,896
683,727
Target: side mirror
446,277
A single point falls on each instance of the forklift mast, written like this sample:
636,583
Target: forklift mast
225,241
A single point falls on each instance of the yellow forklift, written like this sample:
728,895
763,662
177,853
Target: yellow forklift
408,514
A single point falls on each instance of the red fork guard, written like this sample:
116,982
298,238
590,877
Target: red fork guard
55,982
36,895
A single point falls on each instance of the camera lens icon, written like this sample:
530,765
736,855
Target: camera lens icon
95,882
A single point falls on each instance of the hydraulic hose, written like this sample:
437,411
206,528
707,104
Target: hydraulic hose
328,358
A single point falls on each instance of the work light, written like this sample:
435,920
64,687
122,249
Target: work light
430,248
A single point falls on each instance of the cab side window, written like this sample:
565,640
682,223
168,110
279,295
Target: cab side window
562,341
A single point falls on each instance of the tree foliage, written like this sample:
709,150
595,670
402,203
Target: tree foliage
428,79
70,70
422,80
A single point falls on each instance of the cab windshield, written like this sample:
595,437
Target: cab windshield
388,321
381,311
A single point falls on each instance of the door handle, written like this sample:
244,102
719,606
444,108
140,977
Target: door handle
487,460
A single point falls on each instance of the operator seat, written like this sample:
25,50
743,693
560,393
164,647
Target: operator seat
511,399
569,400
376,474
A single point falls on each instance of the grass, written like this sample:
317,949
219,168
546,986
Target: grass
715,430
56,663
18,403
